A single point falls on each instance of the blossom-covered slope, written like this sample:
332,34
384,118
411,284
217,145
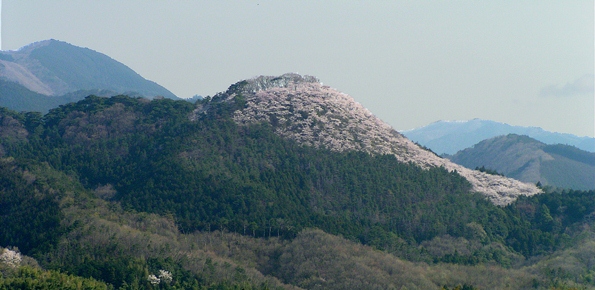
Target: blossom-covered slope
303,109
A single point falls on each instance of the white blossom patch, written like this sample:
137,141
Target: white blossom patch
304,110
11,258
153,279
165,276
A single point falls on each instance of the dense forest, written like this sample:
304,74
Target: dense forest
115,190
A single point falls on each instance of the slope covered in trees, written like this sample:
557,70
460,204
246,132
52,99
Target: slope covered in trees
18,98
119,188
302,109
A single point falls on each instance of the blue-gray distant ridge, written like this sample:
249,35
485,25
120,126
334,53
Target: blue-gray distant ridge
528,160
449,137
45,73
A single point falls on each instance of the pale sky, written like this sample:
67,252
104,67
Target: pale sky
527,63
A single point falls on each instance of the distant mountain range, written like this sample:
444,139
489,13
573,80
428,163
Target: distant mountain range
449,137
529,160
48,73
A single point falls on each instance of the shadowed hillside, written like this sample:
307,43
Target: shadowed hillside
62,73
529,160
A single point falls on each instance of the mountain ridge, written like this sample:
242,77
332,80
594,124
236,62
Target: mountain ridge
529,160
54,68
304,110
449,137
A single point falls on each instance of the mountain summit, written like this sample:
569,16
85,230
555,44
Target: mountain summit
302,109
449,137
55,68
529,160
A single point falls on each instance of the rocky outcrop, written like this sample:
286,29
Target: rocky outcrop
303,109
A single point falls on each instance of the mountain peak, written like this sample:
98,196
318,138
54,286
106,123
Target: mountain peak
28,48
261,83
302,109
54,68
445,137
527,159
254,85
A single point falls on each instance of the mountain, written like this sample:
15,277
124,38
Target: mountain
53,68
449,137
276,183
300,108
529,160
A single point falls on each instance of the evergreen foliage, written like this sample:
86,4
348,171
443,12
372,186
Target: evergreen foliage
212,175
29,211
33,278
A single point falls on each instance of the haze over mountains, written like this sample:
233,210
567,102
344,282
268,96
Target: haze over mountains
45,73
448,137
529,160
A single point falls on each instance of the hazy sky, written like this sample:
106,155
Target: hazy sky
411,63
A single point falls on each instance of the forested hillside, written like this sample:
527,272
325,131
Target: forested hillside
302,109
117,189
18,98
